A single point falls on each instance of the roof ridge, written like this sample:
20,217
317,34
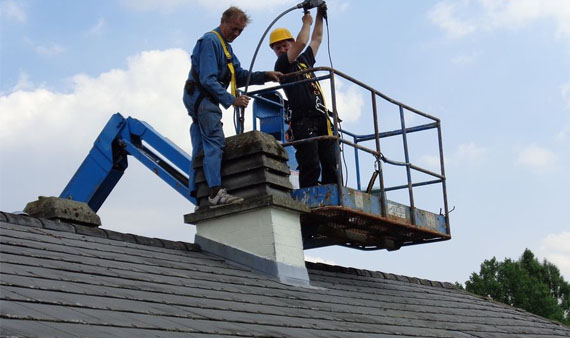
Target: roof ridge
57,225
377,274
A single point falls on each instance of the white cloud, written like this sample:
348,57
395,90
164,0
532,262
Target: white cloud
517,14
557,242
467,154
470,152
22,110
150,89
45,135
12,10
555,249
563,134
465,59
338,6
460,18
98,28
537,158
349,100
51,50
150,5
430,162
218,6
565,92
445,15
23,82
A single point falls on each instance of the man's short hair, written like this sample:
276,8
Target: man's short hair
234,13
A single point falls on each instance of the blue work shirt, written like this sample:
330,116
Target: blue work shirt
210,63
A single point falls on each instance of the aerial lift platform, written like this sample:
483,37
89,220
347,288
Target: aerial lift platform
340,214
356,217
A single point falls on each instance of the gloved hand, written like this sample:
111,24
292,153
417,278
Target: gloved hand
322,10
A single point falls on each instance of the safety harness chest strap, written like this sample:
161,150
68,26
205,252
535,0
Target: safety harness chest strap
191,85
230,64
319,106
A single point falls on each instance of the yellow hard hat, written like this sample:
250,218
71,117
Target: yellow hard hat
279,34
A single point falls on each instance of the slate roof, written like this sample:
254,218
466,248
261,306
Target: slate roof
64,280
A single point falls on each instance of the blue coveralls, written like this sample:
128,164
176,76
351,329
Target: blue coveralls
206,132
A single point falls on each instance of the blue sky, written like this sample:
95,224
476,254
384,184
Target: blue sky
496,72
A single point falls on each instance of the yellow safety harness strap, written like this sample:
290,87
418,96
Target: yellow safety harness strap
230,64
329,124
303,66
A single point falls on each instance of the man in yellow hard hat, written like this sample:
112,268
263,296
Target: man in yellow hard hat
309,115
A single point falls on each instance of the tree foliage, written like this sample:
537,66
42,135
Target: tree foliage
526,283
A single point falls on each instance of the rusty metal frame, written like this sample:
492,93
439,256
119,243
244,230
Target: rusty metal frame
439,178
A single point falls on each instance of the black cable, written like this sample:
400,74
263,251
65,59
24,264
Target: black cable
239,112
339,125
261,41
306,5
329,41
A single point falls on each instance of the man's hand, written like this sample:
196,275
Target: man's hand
307,18
273,76
241,101
322,10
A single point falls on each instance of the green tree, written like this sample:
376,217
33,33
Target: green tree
526,283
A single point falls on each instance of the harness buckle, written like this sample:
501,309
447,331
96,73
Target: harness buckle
320,107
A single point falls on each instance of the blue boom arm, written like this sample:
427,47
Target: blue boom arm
107,161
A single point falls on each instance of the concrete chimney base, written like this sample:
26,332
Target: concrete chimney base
264,231
262,234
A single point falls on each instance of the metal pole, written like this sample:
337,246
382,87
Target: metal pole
383,201
408,170
443,184
356,163
335,133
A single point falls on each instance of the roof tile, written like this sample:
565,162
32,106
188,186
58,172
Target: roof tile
57,225
3,217
23,220
60,283
90,231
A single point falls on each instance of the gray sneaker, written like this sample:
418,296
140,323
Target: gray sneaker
223,198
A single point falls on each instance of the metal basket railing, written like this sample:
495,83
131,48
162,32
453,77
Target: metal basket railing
340,136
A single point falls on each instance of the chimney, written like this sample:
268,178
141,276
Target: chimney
62,209
263,232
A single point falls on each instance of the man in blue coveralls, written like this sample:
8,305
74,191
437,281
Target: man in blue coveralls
214,68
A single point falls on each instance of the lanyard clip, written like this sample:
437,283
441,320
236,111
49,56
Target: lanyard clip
320,107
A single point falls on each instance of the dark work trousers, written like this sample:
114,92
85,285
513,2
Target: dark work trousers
314,157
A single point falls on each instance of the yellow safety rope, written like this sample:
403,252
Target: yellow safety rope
329,124
316,84
230,64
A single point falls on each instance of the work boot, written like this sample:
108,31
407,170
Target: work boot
223,198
